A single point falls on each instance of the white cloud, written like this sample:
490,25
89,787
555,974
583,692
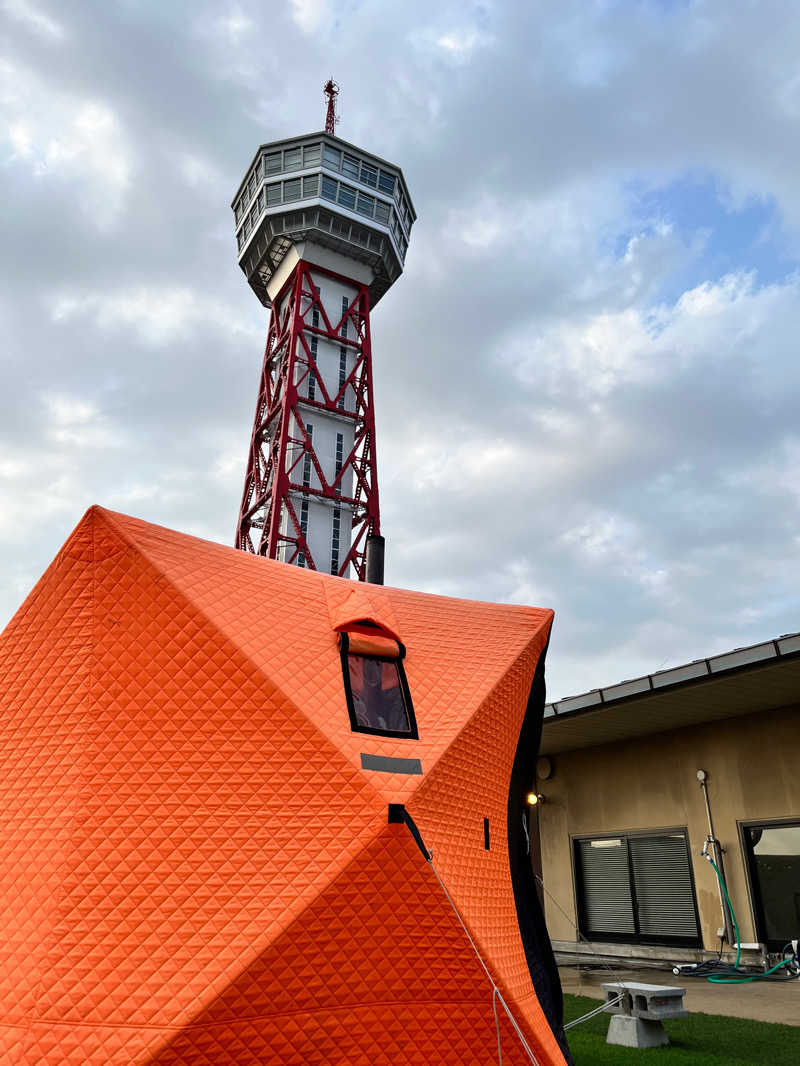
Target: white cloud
198,171
159,315
75,142
73,421
32,17
234,25
311,15
459,44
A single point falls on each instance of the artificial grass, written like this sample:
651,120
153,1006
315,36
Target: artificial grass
699,1040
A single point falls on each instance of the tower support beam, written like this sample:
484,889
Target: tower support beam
316,387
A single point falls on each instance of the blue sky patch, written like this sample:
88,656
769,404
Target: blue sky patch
724,238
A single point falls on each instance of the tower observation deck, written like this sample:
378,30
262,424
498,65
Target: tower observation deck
322,229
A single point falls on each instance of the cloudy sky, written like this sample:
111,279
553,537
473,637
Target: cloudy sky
587,380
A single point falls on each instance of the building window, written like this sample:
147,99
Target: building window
336,523
337,466
332,157
637,888
347,196
382,212
369,175
273,163
301,558
315,313
345,309
273,194
329,187
350,166
291,190
307,457
386,182
311,155
773,860
312,377
376,689
366,204
292,159
335,533
342,375
310,186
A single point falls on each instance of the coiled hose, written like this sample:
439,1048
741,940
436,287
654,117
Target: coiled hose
722,973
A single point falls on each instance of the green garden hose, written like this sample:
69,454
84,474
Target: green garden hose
739,979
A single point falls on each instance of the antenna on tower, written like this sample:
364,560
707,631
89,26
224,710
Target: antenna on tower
331,90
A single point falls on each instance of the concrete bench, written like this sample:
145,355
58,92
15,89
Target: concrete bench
639,1013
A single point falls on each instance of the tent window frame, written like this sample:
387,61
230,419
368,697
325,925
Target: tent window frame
412,732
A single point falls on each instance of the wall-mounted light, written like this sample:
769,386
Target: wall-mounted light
533,799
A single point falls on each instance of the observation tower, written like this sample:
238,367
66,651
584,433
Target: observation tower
322,229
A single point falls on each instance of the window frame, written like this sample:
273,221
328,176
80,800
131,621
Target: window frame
386,182
355,725
329,154
351,166
753,886
603,936
345,193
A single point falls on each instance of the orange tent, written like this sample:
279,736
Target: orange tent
222,782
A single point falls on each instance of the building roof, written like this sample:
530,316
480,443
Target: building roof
199,861
758,677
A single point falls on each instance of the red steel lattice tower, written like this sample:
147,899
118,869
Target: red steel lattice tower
322,230
331,91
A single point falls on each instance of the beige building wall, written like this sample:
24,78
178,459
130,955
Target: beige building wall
651,783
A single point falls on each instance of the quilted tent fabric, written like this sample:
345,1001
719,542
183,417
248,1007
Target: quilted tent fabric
196,866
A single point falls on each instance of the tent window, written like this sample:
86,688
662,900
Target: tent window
378,698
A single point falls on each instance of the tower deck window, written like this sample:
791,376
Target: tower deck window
350,166
369,175
366,204
311,155
347,196
386,182
332,157
378,697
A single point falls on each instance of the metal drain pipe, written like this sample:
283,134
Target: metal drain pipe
716,854
376,550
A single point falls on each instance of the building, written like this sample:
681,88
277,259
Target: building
322,229
623,820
